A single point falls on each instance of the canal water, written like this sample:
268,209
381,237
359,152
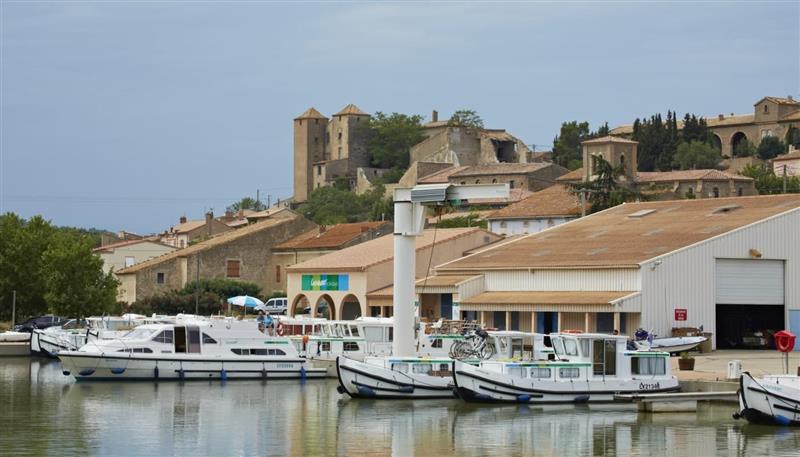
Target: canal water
43,412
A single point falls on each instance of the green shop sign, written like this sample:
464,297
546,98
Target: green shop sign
326,282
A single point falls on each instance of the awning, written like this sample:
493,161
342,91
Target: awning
540,300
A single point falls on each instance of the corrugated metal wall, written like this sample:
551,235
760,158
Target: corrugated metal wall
686,279
559,280
471,287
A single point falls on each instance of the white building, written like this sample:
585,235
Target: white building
787,164
731,265
124,254
542,210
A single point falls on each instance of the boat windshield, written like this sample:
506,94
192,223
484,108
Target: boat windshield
139,334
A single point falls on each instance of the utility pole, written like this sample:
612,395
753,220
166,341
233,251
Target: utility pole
13,308
258,197
197,287
784,178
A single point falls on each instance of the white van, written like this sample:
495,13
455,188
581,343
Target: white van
276,305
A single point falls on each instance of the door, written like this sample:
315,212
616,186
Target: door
749,282
605,323
193,334
180,339
447,305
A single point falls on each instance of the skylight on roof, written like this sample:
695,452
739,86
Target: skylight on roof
726,209
642,213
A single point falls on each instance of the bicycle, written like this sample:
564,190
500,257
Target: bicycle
475,345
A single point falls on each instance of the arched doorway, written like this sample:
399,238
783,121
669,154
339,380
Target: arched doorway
299,305
716,141
739,145
351,308
325,308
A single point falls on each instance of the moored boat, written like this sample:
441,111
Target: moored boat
771,400
395,377
189,349
588,368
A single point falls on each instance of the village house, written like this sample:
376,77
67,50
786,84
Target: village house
244,254
320,241
547,208
187,232
351,282
125,254
706,183
725,264
787,164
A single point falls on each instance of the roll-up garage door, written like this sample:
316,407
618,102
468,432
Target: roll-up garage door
749,282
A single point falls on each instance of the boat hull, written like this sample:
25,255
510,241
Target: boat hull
365,380
45,344
99,367
762,403
480,386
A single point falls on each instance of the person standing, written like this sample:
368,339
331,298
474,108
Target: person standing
262,321
270,324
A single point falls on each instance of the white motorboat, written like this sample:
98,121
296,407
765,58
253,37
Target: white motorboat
588,368
78,332
395,377
672,345
14,337
771,400
189,348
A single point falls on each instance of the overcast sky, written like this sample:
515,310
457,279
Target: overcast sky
127,115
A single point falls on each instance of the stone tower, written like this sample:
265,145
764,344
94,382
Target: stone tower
309,147
347,139
612,149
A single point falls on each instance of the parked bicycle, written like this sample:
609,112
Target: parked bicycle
476,344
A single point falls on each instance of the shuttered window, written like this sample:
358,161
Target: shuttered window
233,268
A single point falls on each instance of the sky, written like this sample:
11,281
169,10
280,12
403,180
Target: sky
127,115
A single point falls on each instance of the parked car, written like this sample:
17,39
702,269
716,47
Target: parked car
277,305
40,322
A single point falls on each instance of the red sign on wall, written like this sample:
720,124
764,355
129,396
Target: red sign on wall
680,314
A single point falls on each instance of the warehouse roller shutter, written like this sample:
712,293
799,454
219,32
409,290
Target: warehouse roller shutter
749,282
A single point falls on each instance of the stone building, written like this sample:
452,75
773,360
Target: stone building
187,232
772,116
658,184
328,149
243,254
542,210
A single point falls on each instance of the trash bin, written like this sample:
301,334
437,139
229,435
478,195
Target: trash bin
734,369
707,345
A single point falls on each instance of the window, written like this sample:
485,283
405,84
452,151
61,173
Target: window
354,330
232,268
129,261
477,181
511,184
622,159
740,192
436,343
540,373
690,191
325,346
208,340
400,367
164,337
276,352
159,278
517,372
648,365
319,170
316,140
571,347
350,346
137,350
766,109
277,273
604,358
569,373
242,351
716,192
444,367
340,135
421,368
494,181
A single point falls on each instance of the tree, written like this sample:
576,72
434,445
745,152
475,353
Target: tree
329,205
694,129
793,137
744,148
466,118
22,246
696,154
768,183
390,137
75,281
472,219
247,203
567,145
770,147
605,191
658,141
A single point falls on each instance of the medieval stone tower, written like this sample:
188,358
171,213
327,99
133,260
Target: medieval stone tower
614,150
328,149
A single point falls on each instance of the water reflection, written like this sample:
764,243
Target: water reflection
46,413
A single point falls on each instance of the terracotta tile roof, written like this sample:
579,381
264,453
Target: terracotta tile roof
269,212
609,139
688,175
311,113
779,101
545,298
332,238
351,109
218,240
501,169
383,292
433,281
629,234
554,201
188,226
112,246
364,255
440,177
791,156
574,175
792,116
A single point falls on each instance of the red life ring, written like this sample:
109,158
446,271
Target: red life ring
572,331
280,329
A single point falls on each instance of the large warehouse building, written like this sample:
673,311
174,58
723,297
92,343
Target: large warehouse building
731,265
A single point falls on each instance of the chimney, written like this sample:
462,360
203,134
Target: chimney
721,116
182,220
228,214
209,218
322,229
435,116
789,97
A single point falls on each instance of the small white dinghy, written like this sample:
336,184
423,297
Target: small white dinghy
14,337
771,400
672,345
